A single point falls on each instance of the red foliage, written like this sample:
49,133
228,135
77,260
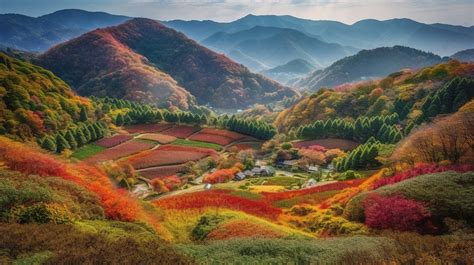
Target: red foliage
119,151
221,175
420,169
395,212
276,196
113,140
143,128
169,155
116,203
218,198
181,131
162,171
317,148
172,182
330,143
222,137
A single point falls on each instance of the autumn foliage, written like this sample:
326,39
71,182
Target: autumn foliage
116,203
222,175
395,212
276,196
221,199
420,169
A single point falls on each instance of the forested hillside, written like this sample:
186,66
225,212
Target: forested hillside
413,95
148,50
368,64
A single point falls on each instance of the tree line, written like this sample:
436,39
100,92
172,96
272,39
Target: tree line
362,157
382,128
137,113
74,138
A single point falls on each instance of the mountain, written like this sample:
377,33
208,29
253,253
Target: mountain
464,56
438,38
293,69
409,94
40,33
144,60
271,46
368,64
35,102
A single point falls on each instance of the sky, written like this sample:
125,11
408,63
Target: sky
457,12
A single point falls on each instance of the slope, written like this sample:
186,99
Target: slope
368,64
155,49
39,34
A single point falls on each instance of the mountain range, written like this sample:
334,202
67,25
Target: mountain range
292,70
272,46
40,33
438,38
144,60
368,64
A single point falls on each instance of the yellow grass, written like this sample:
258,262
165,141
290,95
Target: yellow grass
267,188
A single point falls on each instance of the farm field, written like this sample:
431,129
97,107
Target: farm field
87,151
246,146
147,128
113,140
119,151
168,155
197,144
158,137
220,137
162,171
181,131
332,143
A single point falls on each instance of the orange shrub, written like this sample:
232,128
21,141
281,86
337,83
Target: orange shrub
242,229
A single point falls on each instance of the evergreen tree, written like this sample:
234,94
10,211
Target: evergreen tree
48,144
71,139
119,120
80,138
61,144
83,114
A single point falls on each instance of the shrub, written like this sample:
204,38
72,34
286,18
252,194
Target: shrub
395,212
205,225
41,213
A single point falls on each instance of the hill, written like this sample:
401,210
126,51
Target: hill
40,33
34,102
464,56
273,46
441,39
293,69
146,61
368,64
407,93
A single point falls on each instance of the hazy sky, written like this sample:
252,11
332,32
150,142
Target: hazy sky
459,12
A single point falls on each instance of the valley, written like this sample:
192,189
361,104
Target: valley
263,140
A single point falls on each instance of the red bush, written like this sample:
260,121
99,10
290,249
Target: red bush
221,175
218,198
418,170
395,212
276,196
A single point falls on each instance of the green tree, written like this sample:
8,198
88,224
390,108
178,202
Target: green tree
48,144
61,144
83,114
71,139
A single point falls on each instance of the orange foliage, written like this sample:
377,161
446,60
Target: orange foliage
221,199
116,203
242,229
222,175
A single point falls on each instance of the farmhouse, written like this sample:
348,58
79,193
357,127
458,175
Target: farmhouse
240,176
263,171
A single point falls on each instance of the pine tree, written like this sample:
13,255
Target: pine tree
48,144
83,114
92,132
61,144
119,120
80,138
71,139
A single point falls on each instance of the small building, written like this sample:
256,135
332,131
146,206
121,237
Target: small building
208,186
240,176
248,173
312,168
263,171
310,183
287,164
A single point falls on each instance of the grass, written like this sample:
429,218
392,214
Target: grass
197,144
314,198
87,151
278,181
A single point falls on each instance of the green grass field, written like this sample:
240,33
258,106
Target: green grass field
197,144
87,151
